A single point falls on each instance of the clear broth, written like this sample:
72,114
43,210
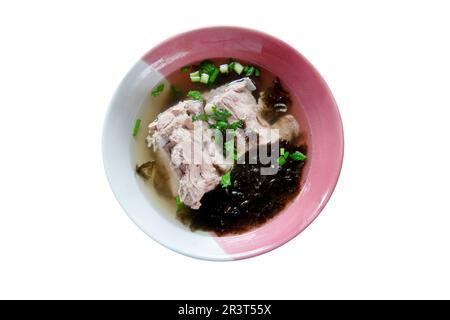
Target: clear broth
152,106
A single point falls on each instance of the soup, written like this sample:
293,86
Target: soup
216,144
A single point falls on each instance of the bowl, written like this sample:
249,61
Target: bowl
323,125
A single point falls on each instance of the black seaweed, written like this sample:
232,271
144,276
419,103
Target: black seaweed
251,200
145,170
276,96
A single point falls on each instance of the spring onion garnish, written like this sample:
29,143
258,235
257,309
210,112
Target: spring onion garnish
137,125
195,76
298,156
238,68
196,95
223,68
158,89
209,68
225,180
220,114
236,124
219,125
284,155
250,70
213,76
204,78
229,148
207,72
201,117
179,203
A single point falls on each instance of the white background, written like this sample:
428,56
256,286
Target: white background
385,232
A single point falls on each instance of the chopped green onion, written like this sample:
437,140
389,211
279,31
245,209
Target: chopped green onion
257,72
229,148
231,65
158,89
196,95
249,71
286,154
219,125
185,69
213,76
179,203
298,156
281,151
224,68
281,160
220,114
208,71
137,125
207,67
225,180
202,117
236,124
204,78
195,76
238,68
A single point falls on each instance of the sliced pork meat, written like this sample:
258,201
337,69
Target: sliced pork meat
288,128
197,162
237,98
187,147
165,179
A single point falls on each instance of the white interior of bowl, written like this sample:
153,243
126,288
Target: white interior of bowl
120,170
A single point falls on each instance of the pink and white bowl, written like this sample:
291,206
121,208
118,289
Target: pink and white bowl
325,146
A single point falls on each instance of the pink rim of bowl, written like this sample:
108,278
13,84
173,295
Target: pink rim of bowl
319,109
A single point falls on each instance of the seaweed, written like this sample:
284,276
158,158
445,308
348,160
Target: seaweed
145,170
250,200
